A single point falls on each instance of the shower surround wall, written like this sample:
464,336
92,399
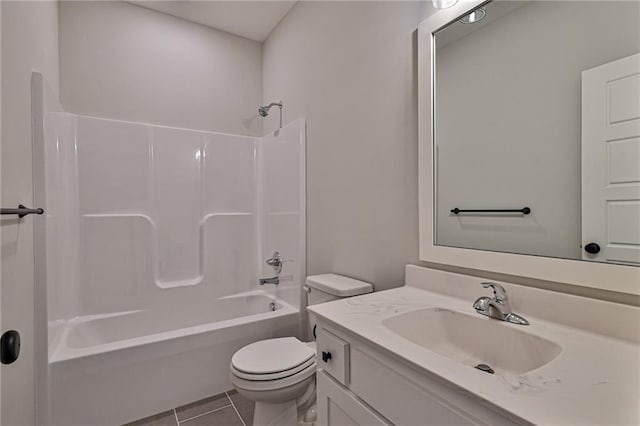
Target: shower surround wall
156,238
150,203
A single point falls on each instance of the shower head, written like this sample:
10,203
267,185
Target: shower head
264,110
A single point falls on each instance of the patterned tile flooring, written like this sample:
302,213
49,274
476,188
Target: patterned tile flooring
225,409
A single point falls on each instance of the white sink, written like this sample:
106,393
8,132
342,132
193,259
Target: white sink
474,339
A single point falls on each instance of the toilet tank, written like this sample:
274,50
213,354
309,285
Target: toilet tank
328,287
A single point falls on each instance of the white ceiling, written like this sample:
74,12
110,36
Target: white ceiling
251,19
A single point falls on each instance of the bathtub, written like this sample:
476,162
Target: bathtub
118,367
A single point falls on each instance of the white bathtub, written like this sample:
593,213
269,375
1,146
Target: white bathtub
114,368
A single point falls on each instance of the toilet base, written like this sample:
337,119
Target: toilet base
310,417
285,414
295,412
269,414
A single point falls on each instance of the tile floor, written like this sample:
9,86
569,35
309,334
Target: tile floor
226,409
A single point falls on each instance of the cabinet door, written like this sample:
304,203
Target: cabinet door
337,406
333,355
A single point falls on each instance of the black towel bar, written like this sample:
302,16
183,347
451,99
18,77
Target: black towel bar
524,210
21,211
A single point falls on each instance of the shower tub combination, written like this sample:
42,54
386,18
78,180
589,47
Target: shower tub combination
114,368
154,240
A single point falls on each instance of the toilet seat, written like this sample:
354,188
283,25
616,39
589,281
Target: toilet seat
273,359
296,379
274,376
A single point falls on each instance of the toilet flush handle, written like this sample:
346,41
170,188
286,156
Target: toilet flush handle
326,356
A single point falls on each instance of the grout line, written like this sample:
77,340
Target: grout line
234,407
202,414
175,414
226,393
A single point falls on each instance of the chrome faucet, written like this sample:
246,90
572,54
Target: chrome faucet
498,306
276,263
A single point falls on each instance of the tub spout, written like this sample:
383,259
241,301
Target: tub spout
272,280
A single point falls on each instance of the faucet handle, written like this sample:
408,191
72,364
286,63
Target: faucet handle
275,262
482,304
275,259
498,291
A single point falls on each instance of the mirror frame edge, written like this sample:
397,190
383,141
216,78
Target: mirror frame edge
618,278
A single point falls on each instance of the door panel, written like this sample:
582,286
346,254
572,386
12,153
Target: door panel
337,406
611,161
623,164
624,104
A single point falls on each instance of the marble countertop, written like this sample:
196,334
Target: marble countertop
594,380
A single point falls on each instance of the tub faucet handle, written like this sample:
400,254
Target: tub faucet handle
275,262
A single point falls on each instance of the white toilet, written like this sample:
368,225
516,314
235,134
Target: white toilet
279,374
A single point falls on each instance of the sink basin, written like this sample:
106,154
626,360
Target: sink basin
474,339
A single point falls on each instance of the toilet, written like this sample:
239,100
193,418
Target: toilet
279,374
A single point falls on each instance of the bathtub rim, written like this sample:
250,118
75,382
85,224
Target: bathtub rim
62,353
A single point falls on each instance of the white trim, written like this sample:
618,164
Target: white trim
624,279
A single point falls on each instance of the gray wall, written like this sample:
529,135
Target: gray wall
350,68
122,61
509,118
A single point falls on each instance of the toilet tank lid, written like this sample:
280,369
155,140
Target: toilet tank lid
338,285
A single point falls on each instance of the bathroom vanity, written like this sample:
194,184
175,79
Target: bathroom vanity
364,385
406,356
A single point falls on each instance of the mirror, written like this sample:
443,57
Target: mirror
536,114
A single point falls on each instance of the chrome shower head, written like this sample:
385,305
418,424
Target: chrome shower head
264,110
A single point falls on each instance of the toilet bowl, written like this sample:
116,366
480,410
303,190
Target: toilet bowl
279,374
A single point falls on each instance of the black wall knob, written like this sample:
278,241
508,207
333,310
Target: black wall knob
326,356
592,248
9,347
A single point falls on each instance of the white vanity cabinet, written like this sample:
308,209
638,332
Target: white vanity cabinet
360,384
338,406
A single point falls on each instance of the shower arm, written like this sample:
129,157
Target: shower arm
266,109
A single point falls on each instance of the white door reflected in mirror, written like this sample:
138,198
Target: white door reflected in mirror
611,162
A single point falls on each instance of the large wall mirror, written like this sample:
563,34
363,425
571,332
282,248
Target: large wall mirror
531,135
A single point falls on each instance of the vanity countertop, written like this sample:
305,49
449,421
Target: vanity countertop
594,380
